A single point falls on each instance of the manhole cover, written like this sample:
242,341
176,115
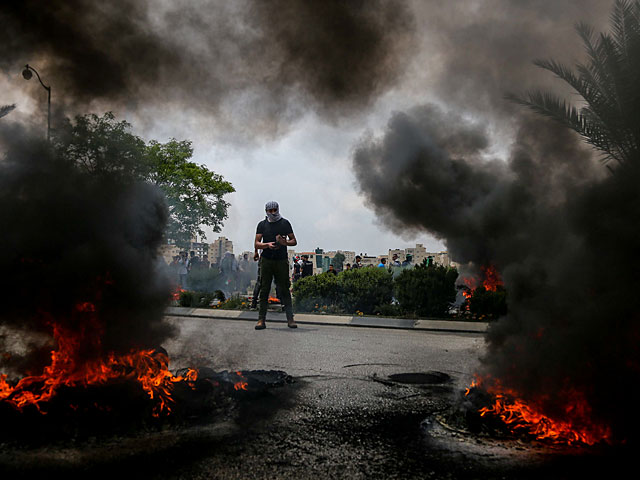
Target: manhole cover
426,378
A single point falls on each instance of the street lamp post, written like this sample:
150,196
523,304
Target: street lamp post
26,73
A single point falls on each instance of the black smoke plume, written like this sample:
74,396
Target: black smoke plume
559,227
76,245
263,61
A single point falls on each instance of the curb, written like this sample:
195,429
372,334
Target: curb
339,320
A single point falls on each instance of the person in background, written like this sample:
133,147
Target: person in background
307,266
297,268
273,235
394,261
407,262
383,263
347,266
205,264
183,270
358,262
332,270
194,262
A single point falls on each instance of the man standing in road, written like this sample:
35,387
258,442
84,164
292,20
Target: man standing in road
273,235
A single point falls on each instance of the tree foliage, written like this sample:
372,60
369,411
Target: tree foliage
194,193
608,84
105,146
426,290
101,146
338,261
6,109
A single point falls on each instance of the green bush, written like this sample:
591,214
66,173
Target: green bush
490,304
388,310
426,290
364,289
359,290
193,299
321,290
235,302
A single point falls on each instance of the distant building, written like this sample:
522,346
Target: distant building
418,253
167,252
219,248
200,248
369,260
321,259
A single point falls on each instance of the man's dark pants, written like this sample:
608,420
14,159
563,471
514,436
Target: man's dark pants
256,289
277,270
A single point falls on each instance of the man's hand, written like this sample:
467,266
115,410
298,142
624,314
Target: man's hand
281,240
272,245
256,256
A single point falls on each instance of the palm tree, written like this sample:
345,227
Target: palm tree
609,84
5,109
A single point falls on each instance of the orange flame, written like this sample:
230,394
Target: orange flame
68,368
242,384
175,296
492,279
576,426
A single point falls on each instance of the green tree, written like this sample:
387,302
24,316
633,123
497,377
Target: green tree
608,84
103,145
426,290
194,193
338,260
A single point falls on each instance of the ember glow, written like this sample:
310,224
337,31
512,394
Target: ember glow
175,295
575,427
242,384
490,280
71,367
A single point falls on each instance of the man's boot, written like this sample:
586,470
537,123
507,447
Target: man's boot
261,325
291,323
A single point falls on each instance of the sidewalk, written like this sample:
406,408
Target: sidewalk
343,320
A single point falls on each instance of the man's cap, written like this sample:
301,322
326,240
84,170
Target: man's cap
271,205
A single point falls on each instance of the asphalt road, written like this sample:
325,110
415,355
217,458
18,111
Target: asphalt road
322,350
348,412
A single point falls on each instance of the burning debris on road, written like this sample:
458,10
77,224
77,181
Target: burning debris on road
85,304
560,229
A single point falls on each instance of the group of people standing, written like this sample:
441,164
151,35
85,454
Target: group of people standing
182,265
302,267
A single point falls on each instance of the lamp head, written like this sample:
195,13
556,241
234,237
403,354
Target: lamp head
26,73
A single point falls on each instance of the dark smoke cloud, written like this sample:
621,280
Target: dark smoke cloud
560,228
70,238
431,171
479,51
264,61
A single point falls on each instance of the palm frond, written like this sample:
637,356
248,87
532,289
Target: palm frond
608,82
6,109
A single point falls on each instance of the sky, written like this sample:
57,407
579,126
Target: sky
253,86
